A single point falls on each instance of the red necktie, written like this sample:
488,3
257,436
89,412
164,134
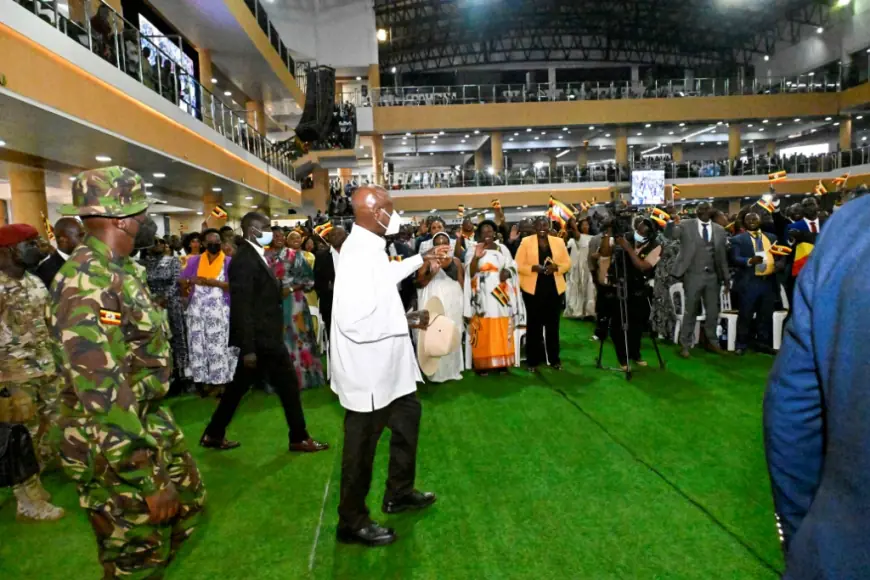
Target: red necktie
813,227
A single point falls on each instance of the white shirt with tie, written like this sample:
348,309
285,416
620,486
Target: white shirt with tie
372,357
811,223
709,225
260,250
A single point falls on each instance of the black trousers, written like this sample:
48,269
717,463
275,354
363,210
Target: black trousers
276,367
543,312
602,309
757,297
361,434
638,323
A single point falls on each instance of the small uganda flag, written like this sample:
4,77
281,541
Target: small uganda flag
460,211
675,192
660,217
841,181
110,317
777,176
767,205
501,295
496,204
780,250
819,189
323,229
219,213
801,255
49,231
559,212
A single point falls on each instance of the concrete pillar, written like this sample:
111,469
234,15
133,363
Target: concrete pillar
551,81
554,165
689,79
478,160
583,156
256,116
677,152
496,140
374,76
734,141
345,174
771,148
635,74
622,146
317,197
734,206
845,134
205,69
378,159
77,11
3,209
28,196
530,82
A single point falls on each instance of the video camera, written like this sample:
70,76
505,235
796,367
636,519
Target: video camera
622,218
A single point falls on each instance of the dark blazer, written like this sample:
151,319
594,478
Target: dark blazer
742,249
48,268
799,231
406,287
691,241
256,313
324,278
816,428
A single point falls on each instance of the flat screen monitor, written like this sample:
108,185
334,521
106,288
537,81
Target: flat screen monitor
647,187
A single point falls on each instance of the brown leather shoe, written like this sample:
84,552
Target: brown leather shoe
714,348
684,353
309,446
221,445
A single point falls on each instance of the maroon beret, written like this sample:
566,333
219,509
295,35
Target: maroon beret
16,233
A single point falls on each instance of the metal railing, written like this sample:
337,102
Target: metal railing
610,173
120,43
595,91
265,23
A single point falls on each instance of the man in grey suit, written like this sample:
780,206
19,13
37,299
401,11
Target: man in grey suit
702,265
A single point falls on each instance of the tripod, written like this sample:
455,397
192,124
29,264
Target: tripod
621,285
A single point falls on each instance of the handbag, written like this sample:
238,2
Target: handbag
17,459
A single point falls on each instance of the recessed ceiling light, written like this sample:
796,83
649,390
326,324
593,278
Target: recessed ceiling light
536,138
216,189
528,150
766,58
249,197
477,131
393,70
407,134
159,175
859,117
2,143
511,139
431,154
813,130
103,159
435,137
837,124
440,132
827,118
761,130
74,178
812,74
199,213
528,130
433,141
820,30
560,137
463,141
359,78
214,81
797,120
648,125
254,206
750,125
607,134
639,134
719,123
682,124
564,128
516,134
671,133
752,140
779,124
147,183
148,193
718,142
592,128
229,204
228,93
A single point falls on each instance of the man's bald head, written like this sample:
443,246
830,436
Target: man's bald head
372,207
68,232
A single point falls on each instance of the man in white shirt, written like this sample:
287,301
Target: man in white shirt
374,368
68,234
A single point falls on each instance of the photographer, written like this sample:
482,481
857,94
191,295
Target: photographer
640,252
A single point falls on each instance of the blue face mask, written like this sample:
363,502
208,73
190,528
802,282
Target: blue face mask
639,238
265,238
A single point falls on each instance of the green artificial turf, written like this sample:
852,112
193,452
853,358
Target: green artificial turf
577,474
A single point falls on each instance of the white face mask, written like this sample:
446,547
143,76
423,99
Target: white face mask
265,238
393,225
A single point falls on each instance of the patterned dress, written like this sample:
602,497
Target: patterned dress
664,318
163,273
210,359
292,269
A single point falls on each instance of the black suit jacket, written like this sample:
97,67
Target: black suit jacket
407,290
49,268
256,310
324,278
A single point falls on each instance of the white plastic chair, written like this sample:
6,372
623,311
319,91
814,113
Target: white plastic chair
729,316
519,339
468,362
680,310
779,320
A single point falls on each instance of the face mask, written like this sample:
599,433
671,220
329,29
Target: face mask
29,256
393,225
265,238
213,248
639,238
145,236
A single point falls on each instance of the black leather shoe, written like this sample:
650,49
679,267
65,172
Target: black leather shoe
416,500
372,535
221,445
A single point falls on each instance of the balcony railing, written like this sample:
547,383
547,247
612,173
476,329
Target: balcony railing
108,35
596,91
608,173
262,17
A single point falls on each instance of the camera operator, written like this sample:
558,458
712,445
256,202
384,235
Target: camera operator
639,250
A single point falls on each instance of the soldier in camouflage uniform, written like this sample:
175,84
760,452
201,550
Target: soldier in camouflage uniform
136,478
25,360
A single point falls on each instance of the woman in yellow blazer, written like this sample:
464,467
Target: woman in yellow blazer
542,261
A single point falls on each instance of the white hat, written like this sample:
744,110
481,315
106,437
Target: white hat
439,339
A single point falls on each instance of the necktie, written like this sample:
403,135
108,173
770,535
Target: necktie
706,233
759,247
813,227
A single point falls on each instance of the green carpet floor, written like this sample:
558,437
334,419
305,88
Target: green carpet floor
577,475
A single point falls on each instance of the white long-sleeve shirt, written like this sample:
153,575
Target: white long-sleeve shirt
372,358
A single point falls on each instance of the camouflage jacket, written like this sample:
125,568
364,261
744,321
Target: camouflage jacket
111,344
24,338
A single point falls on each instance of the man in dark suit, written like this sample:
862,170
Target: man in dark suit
754,282
804,230
257,330
702,265
816,431
325,263
68,234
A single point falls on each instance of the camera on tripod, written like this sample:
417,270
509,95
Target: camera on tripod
622,219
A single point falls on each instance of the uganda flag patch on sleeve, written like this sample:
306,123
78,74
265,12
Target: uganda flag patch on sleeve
110,317
501,295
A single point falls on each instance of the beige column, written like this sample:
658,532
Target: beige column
622,146
496,141
478,160
583,156
3,220
734,142
845,134
378,159
317,197
374,76
205,75
677,152
345,174
77,11
771,148
554,165
28,196
256,116
734,205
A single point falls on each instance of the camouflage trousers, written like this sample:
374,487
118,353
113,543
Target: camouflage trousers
44,392
128,544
